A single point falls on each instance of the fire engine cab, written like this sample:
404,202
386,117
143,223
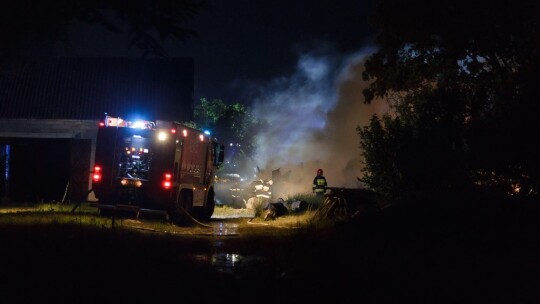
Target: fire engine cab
155,165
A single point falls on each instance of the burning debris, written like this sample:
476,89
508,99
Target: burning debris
282,207
344,203
233,190
334,207
266,197
261,196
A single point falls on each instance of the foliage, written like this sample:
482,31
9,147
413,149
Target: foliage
234,125
380,151
461,77
311,199
258,207
27,27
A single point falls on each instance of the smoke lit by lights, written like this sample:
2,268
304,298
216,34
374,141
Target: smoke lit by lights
312,117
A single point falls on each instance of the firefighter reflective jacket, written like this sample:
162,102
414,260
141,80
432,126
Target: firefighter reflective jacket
262,189
319,184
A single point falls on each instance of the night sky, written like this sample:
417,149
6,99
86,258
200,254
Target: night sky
245,42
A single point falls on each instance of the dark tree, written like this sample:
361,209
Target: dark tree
462,77
28,27
233,124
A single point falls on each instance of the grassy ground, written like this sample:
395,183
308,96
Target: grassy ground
56,252
244,220
457,254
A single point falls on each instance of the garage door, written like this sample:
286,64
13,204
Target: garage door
42,169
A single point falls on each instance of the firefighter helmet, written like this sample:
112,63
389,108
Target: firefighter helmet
319,172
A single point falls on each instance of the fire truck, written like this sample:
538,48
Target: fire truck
162,166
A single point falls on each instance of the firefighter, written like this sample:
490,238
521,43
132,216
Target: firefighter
319,183
262,189
260,194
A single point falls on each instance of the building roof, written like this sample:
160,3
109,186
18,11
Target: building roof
86,88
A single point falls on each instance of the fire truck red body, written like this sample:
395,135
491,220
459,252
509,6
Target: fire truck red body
155,165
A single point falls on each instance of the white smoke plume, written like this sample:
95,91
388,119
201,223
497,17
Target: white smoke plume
312,117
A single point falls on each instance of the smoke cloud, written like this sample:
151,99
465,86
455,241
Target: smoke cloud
312,116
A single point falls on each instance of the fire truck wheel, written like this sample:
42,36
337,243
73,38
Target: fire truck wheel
183,204
186,200
205,213
210,205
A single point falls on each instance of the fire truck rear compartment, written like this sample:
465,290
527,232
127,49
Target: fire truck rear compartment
148,167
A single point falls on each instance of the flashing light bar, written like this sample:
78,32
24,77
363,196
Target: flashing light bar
138,124
119,122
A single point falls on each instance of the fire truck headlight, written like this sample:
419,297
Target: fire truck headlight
162,136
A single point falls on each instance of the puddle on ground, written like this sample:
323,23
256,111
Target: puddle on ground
232,262
228,263
224,261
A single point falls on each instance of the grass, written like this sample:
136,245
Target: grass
256,218
310,198
243,220
303,220
290,220
399,256
46,241
50,213
246,221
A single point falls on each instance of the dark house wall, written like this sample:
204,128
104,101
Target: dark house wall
85,88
